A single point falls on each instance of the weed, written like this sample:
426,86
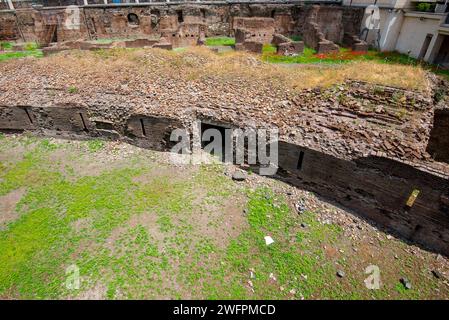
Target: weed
72,89
95,145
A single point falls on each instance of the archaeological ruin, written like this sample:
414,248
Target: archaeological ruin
347,143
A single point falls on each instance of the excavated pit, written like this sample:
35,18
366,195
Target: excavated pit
367,147
375,187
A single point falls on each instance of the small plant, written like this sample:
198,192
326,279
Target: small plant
378,90
47,145
425,7
30,46
5,45
95,145
72,89
439,94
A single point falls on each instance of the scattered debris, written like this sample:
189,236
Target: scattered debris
252,273
300,206
272,277
340,273
437,274
239,176
406,283
268,240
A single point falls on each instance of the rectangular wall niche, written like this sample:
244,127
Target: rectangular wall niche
204,144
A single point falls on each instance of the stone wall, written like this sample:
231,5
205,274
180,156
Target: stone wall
377,188
182,22
8,26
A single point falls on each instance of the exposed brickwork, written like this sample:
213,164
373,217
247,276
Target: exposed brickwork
181,24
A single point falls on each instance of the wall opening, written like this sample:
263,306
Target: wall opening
142,125
155,16
222,132
425,46
180,16
54,35
442,57
438,146
300,160
28,115
103,125
83,122
133,19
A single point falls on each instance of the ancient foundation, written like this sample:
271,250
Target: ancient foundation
400,188
323,27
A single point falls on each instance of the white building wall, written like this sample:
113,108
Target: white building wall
415,27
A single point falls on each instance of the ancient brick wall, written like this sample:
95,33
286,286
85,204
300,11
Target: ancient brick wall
174,20
377,188
8,26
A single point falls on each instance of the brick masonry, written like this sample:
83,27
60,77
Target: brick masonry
184,24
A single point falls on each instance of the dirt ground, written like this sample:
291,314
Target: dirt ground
107,220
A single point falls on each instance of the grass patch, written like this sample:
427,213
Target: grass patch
21,54
95,145
220,41
72,89
4,45
268,48
144,230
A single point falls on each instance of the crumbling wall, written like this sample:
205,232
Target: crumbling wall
376,188
260,29
313,34
8,26
185,23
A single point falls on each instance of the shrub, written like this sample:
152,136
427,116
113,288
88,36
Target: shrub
424,7
5,45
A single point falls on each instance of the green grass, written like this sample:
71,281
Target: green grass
345,55
268,48
220,41
95,145
4,45
30,49
72,89
20,54
141,229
